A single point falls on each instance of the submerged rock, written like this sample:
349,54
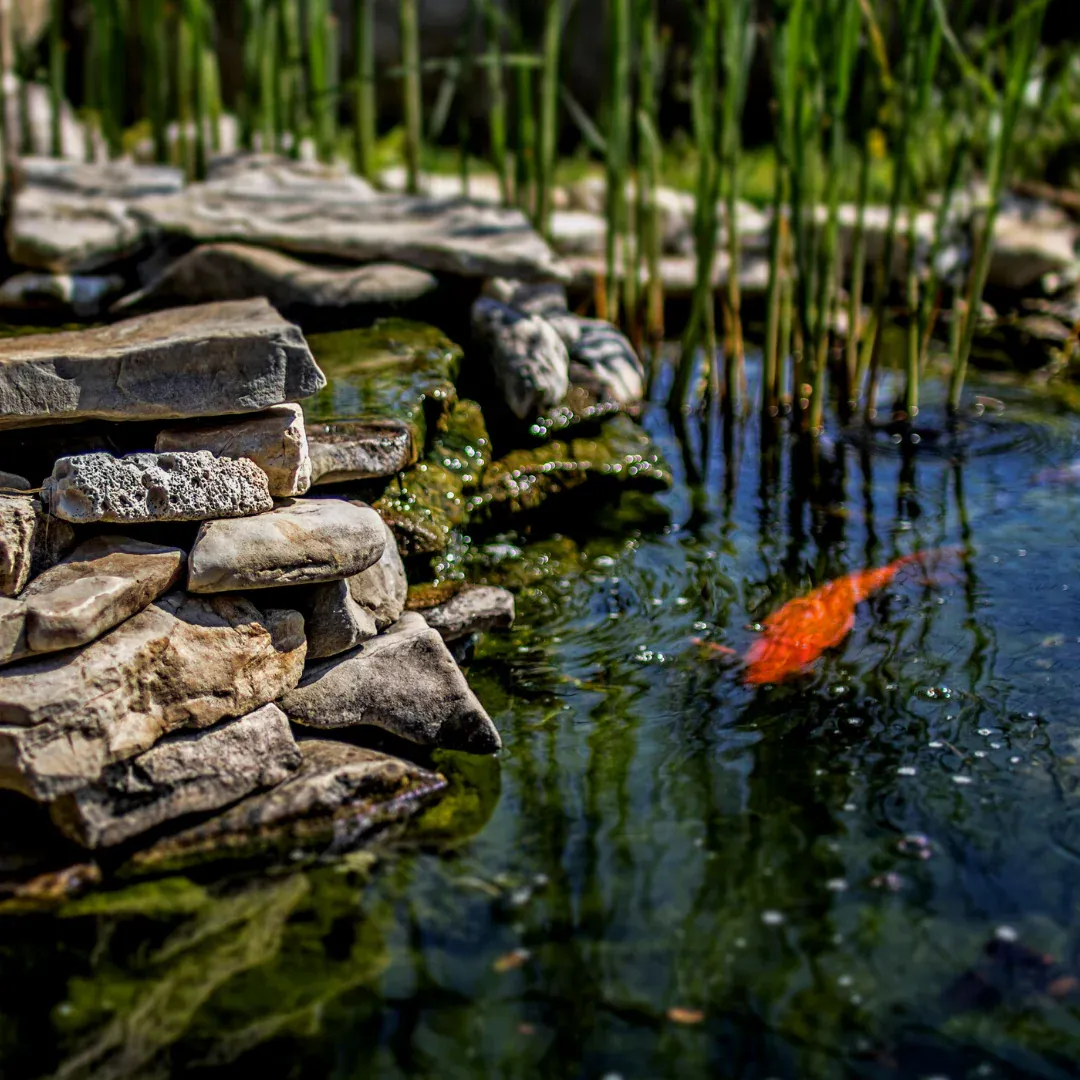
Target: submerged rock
528,358
183,662
301,541
240,272
621,454
404,681
30,541
275,441
314,210
100,584
181,486
389,386
214,359
337,783
473,610
73,217
186,773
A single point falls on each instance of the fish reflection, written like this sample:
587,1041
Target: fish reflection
797,634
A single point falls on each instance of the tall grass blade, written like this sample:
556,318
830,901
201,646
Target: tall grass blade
410,59
364,107
549,112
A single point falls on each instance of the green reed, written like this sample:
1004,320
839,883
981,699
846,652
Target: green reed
412,99
617,161
649,239
364,104
549,112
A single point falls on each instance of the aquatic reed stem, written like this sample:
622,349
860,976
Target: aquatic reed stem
410,59
364,95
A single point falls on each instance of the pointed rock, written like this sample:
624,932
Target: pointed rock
186,773
30,541
300,542
183,662
100,584
404,681
155,487
209,360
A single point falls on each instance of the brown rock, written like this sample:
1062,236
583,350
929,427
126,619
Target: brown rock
30,541
183,662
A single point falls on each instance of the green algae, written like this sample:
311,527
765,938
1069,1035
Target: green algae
464,446
620,454
423,505
394,371
470,800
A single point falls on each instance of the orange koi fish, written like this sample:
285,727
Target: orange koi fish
799,632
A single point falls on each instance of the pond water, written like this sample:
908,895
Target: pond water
871,870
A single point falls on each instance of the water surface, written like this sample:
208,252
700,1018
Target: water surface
668,873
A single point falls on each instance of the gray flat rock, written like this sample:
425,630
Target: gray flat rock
404,681
473,610
336,781
601,359
104,581
359,450
274,440
10,482
69,216
183,662
382,588
181,486
240,271
300,542
532,298
310,211
186,773
528,358
30,541
209,360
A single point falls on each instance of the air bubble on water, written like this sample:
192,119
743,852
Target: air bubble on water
1006,933
772,918
701,626
839,689
681,601
836,884
603,560
740,943
995,746
845,980
985,731
961,779
1021,552
1014,760
849,807
907,770
854,721
819,772
890,686
856,999
656,601
980,753
934,744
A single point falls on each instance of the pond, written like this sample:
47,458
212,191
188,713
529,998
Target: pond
870,870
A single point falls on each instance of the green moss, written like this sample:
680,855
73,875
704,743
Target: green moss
464,447
474,789
154,899
423,505
396,370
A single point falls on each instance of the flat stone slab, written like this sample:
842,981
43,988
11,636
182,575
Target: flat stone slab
404,681
300,542
208,360
186,773
181,486
302,211
528,358
240,272
104,581
183,662
472,611
275,440
30,541
360,450
69,216
336,783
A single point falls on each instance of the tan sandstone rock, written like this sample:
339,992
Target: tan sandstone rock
301,541
186,773
183,662
30,541
274,440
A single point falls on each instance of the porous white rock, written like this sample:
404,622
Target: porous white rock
182,486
